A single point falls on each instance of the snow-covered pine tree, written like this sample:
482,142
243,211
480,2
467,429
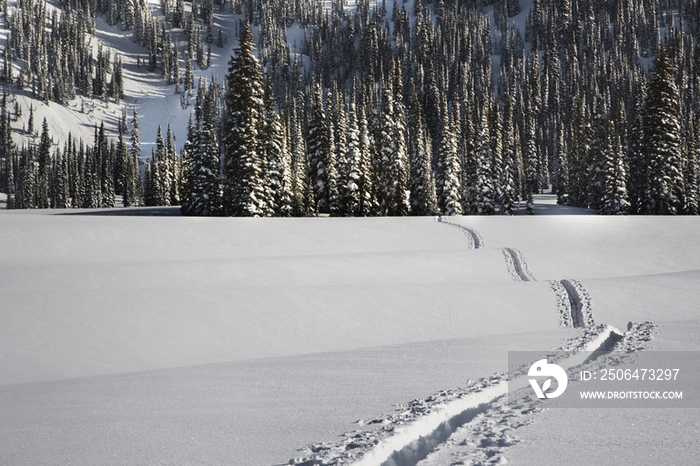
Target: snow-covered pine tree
105,158
560,175
421,181
277,159
174,167
162,181
486,195
690,171
390,144
302,192
202,187
60,191
338,118
368,199
664,192
400,168
598,154
509,190
318,141
615,201
531,184
448,185
636,179
351,198
244,163
124,172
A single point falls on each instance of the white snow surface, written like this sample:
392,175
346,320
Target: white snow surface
150,339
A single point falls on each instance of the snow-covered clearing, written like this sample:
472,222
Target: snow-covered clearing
168,340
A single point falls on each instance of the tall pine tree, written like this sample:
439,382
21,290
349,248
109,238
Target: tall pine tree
244,162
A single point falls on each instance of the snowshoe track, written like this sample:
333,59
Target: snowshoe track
573,303
516,265
475,239
472,425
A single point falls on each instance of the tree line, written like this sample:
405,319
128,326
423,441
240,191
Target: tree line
448,108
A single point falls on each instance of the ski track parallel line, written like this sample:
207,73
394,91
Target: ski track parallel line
411,444
475,239
517,267
424,436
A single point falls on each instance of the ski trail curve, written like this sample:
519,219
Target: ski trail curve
516,265
572,300
421,427
475,239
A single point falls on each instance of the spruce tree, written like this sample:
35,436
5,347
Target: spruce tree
448,186
203,195
244,163
422,182
615,201
321,161
278,161
664,192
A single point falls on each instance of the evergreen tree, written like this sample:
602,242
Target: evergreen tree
664,192
615,201
278,161
302,192
422,183
690,172
448,184
244,163
321,161
202,188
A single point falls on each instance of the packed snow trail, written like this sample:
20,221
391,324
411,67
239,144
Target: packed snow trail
572,300
486,438
573,303
477,242
516,265
425,425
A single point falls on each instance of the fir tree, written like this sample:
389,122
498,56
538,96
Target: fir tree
422,183
615,201
203,194
244,163
448,186
664,189
321,161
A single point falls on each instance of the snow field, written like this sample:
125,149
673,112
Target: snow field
90,295
238,341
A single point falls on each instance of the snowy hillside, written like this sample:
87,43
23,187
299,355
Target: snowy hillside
146,92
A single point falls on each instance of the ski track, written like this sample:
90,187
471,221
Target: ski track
475,239
472,425
573,303
476,425
516,265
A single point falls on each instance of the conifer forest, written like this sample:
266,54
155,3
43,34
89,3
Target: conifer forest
373,108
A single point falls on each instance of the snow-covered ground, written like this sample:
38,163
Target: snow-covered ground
152,339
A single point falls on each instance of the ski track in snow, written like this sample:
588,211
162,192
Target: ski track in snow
573,303
563,303
475,239
472,425
475,425
516,265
